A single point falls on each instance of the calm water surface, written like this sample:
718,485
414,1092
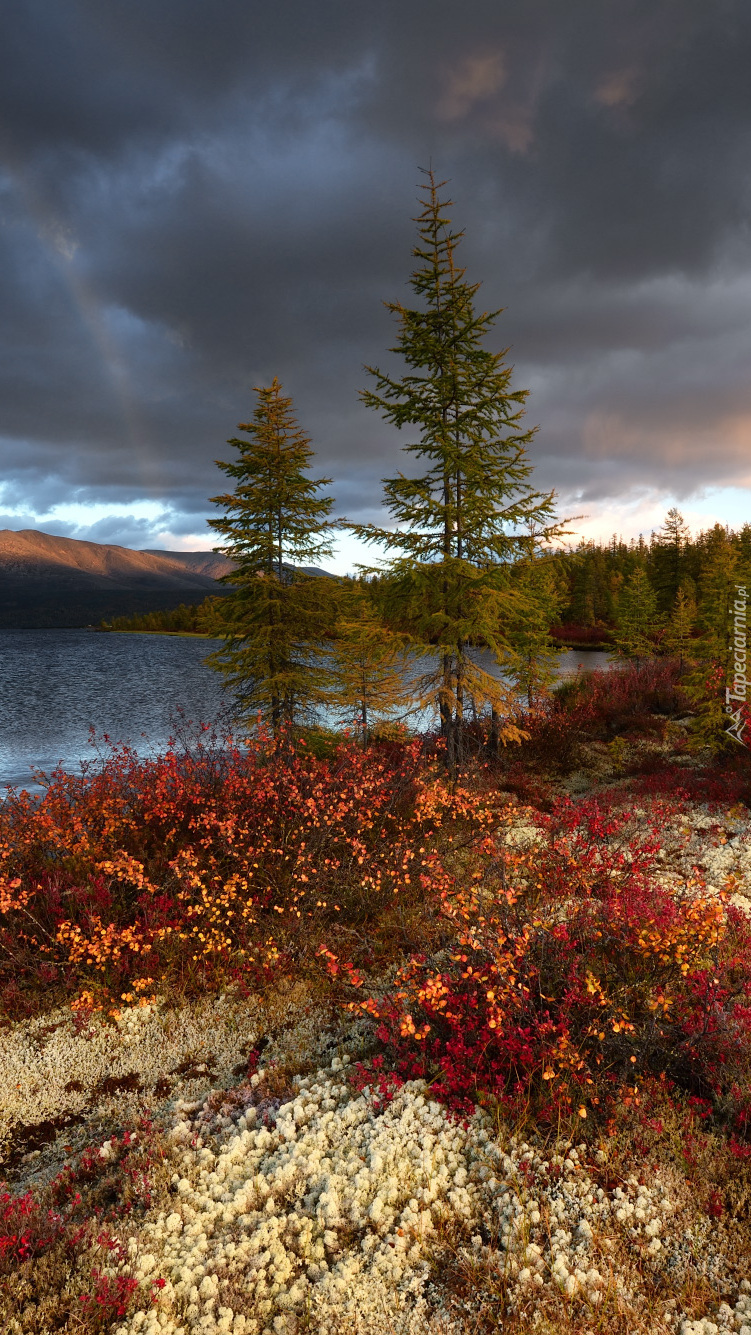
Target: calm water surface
57,684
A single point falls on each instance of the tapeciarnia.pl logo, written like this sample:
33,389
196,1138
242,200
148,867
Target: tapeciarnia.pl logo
738,695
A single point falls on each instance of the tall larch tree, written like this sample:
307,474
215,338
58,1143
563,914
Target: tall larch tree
274,521
461,522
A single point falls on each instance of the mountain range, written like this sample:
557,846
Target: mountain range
51,581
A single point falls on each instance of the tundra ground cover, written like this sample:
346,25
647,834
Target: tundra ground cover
293,1040
213,864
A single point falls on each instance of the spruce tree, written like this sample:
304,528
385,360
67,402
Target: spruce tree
721,572
274,617
637,623
462,521
542,593
742,541
583,584
667,557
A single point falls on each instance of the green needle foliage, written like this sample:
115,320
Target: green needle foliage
667,557
679,636
541,591
637,622
462,522
723,569
370,670
276,617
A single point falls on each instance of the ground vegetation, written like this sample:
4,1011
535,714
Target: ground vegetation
298,1035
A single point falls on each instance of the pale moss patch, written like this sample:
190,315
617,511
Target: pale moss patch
337,1212
54,1068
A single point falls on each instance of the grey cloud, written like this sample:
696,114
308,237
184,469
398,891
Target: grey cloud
122,530
199,197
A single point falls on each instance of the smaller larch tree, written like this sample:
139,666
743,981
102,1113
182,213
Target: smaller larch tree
276,616
542,592
370,673
680,627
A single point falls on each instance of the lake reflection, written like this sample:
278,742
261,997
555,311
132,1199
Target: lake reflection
56,684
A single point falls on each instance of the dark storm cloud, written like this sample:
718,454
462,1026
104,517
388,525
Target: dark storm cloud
197,197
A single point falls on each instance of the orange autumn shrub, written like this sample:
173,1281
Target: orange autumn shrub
216,859
573,975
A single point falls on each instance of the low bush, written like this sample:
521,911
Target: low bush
633,701
217,861
609,703
58,1245
728,783
555,969
573,976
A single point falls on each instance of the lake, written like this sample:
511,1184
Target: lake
56,684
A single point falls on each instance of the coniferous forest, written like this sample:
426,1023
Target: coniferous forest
588,588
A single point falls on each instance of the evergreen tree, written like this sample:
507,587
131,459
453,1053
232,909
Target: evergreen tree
666,557
679,633
721,571
462,521
541,595
370,671
637,623
614,585
275,615
743,546
583,589
596,573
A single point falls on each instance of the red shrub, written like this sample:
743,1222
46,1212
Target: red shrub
26,1229
111,1295
575,976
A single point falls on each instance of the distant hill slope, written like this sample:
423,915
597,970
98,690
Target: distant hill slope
201,563
210,563
51,581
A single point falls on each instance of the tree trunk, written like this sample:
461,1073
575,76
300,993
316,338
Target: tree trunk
495,731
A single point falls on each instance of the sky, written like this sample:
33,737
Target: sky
196,197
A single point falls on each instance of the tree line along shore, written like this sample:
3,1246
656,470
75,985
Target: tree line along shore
472,559
598,585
